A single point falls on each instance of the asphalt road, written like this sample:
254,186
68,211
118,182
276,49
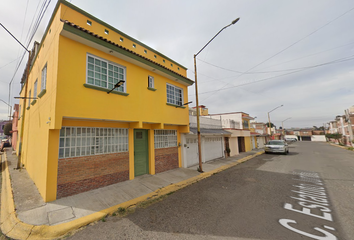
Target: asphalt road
307,194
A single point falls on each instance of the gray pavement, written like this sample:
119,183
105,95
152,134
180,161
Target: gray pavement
247,202
31,208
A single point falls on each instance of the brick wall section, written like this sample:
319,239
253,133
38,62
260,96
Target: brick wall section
81,174
166,159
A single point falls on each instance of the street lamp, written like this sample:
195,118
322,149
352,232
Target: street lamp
196,93
282,126
270,129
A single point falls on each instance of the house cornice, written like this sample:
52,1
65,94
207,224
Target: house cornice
72,28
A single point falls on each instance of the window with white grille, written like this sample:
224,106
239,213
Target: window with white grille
105,74
151,82
174,95
44,78
165,138
35,88
83,141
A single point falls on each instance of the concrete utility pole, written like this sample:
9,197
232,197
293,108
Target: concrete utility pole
350,129
270,129
282,125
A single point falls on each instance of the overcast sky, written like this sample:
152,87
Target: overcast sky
296,53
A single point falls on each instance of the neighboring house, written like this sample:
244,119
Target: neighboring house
343,124
305,134
203,111
76,136
333,127
212,141
261,133
15,117
318,136
238,123
340,124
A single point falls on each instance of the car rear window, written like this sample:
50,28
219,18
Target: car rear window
275,143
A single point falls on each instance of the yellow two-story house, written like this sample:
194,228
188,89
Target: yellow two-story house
98,107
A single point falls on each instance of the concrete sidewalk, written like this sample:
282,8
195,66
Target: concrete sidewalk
51,220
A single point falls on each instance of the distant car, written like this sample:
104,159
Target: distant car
290,139
276,146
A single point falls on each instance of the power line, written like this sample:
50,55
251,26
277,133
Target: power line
14,37
295,71
349,58
287,47
235,71
9,63
29,29
39,18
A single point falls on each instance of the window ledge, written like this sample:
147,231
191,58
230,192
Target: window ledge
152,89
42,93
33,102
105,89
173,105
28,108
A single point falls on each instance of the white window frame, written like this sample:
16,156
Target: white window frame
165,138
44,78
151,82
35,88
171,95
88,141
92,78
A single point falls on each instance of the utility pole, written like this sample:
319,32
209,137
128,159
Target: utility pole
200,168
350,128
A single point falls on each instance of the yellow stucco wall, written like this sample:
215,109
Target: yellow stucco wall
99,27
248,144
140,105
68,103
39,117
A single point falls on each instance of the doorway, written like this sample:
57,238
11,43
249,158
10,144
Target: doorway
141,152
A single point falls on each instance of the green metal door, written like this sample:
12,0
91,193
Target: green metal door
141,152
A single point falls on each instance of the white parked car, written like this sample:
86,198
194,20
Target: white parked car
276,146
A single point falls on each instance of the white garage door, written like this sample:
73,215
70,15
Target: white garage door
213,148
192,151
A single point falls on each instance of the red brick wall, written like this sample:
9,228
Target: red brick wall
81,174
166,159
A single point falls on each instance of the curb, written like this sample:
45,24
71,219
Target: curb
343,147
12,227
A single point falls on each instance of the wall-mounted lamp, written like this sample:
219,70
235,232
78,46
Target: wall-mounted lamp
118,84
25,97
185,104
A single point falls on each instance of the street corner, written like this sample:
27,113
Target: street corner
19,230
